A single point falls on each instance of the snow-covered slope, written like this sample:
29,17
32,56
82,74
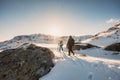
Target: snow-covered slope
19,40
112,35
97,65
36,38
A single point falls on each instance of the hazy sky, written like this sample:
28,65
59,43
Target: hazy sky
58,17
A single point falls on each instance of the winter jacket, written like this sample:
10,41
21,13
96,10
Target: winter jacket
60,43
70,43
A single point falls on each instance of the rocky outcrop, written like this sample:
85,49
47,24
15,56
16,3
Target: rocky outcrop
113,47
83,46
25,63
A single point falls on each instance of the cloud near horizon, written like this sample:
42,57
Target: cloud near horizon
112,20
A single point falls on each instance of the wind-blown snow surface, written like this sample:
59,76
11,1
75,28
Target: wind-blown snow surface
97,65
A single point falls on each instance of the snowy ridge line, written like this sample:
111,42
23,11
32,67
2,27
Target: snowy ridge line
105,38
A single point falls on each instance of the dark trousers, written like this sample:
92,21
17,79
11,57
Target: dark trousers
70,51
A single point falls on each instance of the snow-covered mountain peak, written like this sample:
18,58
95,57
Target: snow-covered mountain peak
115,27
110,31
112,35
20,40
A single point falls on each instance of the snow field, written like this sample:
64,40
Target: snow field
97,65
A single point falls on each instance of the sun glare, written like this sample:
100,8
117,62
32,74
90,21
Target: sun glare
55,32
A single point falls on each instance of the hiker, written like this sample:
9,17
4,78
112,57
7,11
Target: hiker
60,44
70,45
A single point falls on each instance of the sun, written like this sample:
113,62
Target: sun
55,32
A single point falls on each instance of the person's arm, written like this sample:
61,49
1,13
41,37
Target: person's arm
67,44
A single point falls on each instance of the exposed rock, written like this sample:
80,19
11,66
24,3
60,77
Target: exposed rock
115,27
115,53
25,64
83,46
113,47
83,55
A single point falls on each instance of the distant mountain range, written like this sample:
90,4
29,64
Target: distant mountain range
105,38
37,38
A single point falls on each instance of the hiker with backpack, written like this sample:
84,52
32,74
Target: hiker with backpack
70,45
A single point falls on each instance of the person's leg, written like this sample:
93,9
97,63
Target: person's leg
69,52
62,48
72,51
